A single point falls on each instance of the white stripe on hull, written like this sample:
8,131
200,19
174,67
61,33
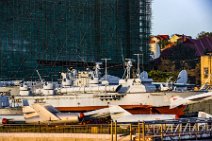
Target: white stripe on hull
83,100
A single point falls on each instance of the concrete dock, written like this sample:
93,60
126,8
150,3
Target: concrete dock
58,137
53,137
185,128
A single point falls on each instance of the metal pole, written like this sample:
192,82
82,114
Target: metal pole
180,129
138,63
161,132
196,130
115,130
130,131
106,59
139,130
111,130
143,131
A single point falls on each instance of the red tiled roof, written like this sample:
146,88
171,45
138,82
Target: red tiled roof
163,37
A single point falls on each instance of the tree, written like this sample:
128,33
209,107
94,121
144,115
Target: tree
163,43
204,34
160,76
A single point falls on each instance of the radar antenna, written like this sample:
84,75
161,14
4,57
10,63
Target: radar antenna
97,68
128,67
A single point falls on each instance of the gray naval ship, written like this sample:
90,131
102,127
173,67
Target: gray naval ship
82,91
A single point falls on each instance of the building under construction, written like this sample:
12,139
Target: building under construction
51,35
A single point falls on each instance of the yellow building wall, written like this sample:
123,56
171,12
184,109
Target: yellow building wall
174,39
206,69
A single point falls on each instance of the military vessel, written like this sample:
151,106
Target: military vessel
6,108
82,91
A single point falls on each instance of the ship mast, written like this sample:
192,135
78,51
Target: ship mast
105,59
41,80
128,67
138,63
97,68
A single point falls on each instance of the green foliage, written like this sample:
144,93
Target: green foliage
163,43
204,34
160,76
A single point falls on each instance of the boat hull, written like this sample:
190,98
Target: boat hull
134,109
136,103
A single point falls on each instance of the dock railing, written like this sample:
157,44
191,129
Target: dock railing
142,131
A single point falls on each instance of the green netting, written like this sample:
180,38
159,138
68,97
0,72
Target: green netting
49,34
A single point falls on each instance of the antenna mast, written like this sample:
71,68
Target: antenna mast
106,59
41,80
97,68
128,67
138,63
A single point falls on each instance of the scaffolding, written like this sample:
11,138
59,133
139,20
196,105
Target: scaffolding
51,35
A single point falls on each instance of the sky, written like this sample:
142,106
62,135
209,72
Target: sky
188,17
